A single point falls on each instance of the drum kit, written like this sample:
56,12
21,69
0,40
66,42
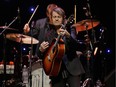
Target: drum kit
16,37
81,26
90,37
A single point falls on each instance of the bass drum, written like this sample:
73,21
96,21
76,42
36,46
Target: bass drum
39,78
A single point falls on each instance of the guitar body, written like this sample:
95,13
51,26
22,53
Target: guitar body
53,58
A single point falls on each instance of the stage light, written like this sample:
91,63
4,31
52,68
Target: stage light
31,9
108,51
100,29
24,49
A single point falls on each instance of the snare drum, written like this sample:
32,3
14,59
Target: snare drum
39,78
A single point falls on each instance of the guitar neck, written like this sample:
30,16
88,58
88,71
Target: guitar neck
58,38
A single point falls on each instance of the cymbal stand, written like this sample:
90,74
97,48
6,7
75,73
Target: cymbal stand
30,56
8,25
89,15
4,48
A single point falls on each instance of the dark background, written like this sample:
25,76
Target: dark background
101,10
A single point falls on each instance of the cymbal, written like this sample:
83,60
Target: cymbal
7,28
86,24
24,39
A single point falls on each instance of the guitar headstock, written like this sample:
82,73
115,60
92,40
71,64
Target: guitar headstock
70,20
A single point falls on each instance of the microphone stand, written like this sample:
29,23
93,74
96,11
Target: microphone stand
4,49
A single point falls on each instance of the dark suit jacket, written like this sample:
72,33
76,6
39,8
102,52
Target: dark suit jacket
70,58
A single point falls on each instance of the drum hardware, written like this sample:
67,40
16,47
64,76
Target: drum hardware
90,40
85,82
90,23
30,57
31,50
90,53
21,38
4,45
8,27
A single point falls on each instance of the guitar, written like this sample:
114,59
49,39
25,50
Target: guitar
53,57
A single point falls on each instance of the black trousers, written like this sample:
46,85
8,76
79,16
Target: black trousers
70,81
65,79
